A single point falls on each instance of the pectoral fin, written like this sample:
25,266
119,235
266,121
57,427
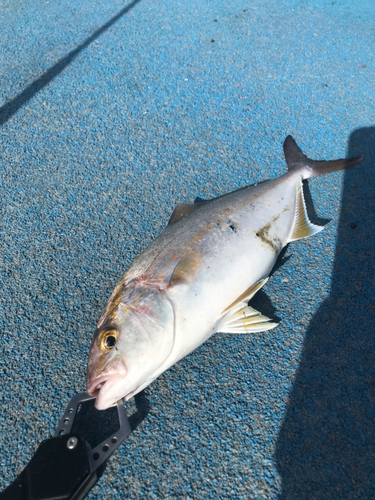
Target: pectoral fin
186,270
183,209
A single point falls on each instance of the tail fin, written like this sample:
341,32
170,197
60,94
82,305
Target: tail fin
295,159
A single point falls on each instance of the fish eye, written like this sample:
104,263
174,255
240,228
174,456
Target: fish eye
107,339
110,341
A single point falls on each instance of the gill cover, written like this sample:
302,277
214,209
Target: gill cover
146,320
138,330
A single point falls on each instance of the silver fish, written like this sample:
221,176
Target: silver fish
197,278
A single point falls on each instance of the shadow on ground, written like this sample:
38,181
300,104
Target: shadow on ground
11,107
326,446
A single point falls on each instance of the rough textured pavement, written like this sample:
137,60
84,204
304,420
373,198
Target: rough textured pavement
110,114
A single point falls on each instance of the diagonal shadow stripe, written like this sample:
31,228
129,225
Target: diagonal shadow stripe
11,107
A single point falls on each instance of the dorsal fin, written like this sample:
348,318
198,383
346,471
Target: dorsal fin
295,159
303,227
182,210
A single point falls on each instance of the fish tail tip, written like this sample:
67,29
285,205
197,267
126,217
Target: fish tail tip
296,160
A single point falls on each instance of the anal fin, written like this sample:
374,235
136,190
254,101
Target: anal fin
303,227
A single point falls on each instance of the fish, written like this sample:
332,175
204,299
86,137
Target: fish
197,278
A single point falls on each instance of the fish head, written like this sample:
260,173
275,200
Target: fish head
133,339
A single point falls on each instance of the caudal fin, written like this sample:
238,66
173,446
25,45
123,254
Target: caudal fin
295,159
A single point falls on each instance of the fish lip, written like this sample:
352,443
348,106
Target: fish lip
113,371
97,388
92,386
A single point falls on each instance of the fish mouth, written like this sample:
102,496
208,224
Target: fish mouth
94,387
102,389
97,383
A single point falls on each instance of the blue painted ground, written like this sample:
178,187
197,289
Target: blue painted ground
111,113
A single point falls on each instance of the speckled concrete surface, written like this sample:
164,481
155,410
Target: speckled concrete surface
110,114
